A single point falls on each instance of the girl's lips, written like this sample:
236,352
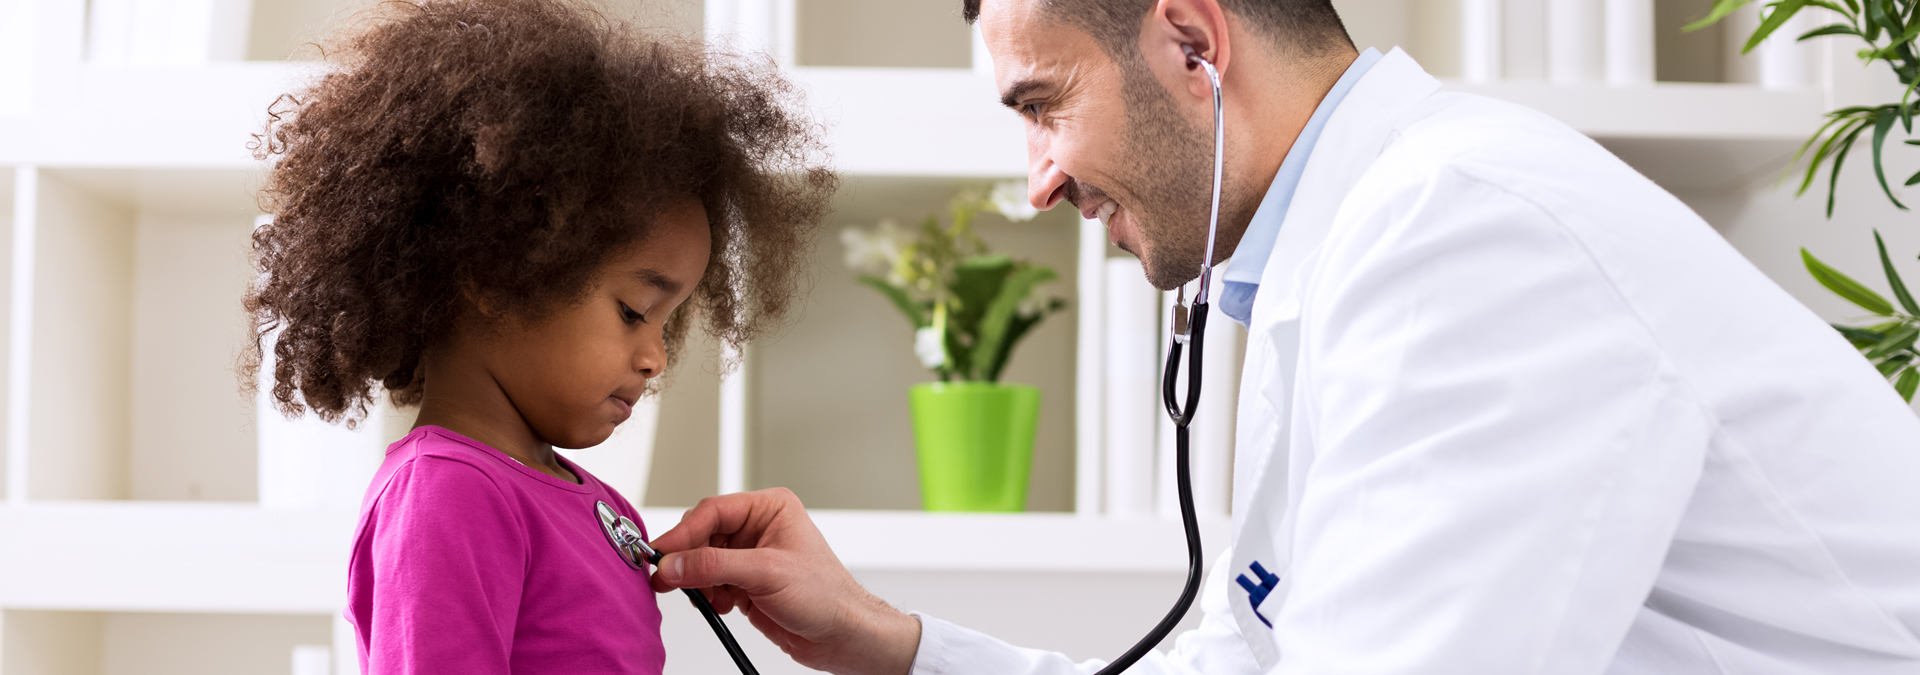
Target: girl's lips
626,409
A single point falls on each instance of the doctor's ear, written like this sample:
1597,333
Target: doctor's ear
1177,32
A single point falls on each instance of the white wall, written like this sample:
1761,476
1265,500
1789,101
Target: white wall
887,33
51,643
193,432
6,298
199,644
81,338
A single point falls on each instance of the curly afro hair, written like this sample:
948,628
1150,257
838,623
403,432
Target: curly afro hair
503,149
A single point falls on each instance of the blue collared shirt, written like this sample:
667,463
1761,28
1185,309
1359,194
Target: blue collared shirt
1242,280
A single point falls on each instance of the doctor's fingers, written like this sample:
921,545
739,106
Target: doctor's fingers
743,520
753,571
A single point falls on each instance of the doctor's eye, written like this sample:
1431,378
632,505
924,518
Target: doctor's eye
1031,110
627,315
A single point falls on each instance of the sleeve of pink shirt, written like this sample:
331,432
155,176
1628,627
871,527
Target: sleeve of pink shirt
449,563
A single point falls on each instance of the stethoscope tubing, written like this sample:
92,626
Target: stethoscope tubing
713,618
720,629
1182,415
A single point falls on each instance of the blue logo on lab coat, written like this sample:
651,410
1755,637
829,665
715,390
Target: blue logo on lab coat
1257,593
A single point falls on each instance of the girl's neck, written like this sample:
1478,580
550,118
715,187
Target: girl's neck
466,401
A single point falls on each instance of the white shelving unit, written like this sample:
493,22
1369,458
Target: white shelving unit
136,480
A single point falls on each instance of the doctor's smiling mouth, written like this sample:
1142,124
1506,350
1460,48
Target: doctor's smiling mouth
1094,203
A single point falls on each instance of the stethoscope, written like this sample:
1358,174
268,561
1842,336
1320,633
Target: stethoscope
1189,328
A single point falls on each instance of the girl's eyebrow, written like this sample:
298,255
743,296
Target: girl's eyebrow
654,278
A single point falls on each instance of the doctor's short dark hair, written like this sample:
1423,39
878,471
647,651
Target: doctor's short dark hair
1301,27
501,151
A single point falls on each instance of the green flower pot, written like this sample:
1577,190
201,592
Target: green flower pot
975,443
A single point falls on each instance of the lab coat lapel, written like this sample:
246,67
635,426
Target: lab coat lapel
1270,413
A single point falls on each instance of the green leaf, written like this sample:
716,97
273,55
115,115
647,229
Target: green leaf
1900,339
1878,19
901,300
1915,178
1889,367
976,282
1861,338
1893,277
1845,287
1909,381
1840,158
1782,11
1826,149
1000,314
1883,123
1721,8
1829,29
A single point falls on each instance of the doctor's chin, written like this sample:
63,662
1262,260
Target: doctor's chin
959,337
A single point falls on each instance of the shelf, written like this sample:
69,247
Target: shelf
1722,112
879,121
200,117
184,557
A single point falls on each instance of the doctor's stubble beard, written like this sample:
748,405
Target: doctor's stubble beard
1170,168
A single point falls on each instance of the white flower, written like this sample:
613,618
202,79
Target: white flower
873,252
1010,199
931,346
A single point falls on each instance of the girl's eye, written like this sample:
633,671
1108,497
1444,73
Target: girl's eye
627,314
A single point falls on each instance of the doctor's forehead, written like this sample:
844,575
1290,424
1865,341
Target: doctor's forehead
1030,47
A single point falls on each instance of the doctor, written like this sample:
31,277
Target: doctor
1508,406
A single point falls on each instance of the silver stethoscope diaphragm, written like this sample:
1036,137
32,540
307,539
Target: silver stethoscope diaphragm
625,536
633,549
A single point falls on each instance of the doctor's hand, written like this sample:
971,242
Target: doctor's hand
758,551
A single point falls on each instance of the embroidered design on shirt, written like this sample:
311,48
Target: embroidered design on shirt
1257,593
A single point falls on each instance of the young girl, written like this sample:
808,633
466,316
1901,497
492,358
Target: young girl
494,210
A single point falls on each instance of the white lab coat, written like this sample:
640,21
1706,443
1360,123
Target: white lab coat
1509,407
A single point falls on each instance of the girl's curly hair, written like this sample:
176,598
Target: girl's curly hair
502,149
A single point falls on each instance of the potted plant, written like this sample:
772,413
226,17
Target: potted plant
968,308
1889,29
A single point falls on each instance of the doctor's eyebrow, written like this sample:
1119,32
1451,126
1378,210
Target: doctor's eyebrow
1018,91
654,278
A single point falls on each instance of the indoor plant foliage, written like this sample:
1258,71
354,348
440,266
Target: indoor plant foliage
1889,28
973,435
968,306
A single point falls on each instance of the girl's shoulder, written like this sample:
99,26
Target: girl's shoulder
432,465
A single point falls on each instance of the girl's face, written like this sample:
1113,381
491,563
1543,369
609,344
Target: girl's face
576,374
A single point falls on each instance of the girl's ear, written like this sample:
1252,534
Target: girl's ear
481,303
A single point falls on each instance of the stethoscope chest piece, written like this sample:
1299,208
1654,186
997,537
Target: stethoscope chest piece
625,536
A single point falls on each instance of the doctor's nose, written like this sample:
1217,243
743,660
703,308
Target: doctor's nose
1046,183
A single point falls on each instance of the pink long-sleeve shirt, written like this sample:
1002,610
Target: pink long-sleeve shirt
468,562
